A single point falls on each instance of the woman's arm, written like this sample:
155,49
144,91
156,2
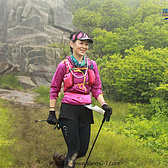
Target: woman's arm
56,84
100,99
52,104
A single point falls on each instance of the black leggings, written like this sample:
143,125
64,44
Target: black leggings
77,141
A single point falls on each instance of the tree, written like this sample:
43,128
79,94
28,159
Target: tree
129,78
87,20
105,43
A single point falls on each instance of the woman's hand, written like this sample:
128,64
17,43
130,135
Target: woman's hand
108,111
52,119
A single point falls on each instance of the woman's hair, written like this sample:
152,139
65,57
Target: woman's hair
76,34
71,38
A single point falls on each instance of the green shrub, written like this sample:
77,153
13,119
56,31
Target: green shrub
162,90
130,77
156,106
152,133
139,109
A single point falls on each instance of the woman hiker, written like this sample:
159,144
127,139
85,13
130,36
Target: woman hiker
81,77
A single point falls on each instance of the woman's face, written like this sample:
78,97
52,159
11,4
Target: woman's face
79,47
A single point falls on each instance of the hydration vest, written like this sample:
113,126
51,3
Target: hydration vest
69,75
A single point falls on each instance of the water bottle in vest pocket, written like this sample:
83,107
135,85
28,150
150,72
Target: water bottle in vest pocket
91,76
68,81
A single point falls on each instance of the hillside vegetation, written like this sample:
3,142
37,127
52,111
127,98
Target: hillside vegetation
130,48
26,143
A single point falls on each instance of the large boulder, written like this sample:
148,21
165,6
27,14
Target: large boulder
26,82
36,61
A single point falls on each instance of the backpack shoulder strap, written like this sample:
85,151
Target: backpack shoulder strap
68,65
90,65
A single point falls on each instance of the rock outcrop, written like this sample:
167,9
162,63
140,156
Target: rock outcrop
20,97
35,22
26,28
36,61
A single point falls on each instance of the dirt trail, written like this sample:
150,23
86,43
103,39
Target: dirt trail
19,97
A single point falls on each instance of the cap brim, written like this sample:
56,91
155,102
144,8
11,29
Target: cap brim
86,38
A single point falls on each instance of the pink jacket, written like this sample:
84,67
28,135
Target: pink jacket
78,86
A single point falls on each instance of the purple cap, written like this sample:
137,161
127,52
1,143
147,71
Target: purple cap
82,36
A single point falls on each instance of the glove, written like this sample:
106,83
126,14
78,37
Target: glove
108,111
52,119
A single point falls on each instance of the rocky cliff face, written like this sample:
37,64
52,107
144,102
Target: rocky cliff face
26,28
35,22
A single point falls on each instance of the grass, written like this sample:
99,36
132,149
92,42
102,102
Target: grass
45,96
111,147
5,139
34,143
10,82
25,143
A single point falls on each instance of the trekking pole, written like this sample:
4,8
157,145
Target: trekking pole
58,125
94,142
40,120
